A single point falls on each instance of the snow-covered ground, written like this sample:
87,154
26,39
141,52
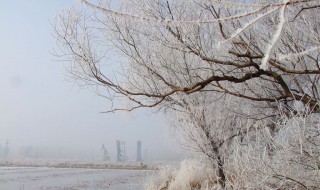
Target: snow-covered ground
25,178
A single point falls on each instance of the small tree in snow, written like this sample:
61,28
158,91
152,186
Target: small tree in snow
207,126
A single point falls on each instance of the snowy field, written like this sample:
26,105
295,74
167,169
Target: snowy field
24,178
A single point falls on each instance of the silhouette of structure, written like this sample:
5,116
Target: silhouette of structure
6,150
106,156
139,157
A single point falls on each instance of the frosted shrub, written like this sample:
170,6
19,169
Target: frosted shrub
288,159
297,146
164,177
192,174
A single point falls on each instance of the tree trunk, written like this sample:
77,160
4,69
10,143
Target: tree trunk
221,177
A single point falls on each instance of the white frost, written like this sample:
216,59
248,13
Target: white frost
240,30
275,38
288,56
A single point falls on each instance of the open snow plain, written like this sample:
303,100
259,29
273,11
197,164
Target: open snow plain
27,178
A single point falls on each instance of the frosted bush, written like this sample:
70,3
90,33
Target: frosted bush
192,174
165,175
288,159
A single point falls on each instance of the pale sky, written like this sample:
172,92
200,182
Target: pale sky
40,108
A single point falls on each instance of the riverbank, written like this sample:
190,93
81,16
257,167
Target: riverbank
84,165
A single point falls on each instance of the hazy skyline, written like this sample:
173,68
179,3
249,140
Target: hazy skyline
40,108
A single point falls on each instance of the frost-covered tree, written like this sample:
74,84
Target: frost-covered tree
181,55
145,51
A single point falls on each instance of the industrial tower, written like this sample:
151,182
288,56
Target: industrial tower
139,158
121,151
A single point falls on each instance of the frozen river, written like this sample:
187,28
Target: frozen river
71,179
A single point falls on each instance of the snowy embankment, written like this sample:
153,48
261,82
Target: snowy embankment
84,165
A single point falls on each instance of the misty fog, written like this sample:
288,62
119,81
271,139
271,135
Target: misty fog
44,116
